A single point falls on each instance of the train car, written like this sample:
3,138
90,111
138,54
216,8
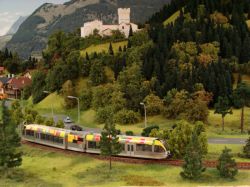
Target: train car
45,135
83,141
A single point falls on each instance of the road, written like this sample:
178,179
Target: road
210,140
227,141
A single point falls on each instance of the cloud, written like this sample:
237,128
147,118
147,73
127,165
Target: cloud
7,19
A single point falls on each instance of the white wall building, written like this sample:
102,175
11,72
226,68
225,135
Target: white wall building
123,26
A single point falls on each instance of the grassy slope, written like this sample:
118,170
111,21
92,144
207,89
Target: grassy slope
172,18
104,47
232,122
47,168
248,23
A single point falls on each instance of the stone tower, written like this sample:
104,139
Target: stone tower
123,15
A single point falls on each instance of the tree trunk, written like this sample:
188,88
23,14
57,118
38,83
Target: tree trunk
110,163
242,120
222,123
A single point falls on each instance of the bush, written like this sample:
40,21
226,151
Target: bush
129,133
181,135
146,131
39,119
103,114
49,122
86,99
154,104
60,124
226,164
125,116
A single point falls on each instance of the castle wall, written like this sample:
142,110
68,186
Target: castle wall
123,15
106,30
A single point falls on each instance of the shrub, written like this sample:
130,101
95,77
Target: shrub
60,124
39,119
125,116
154,104
49,122
226,164
181,135
86,99
146,131
129,133
103,114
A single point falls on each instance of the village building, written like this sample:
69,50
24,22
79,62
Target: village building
15,86
123,25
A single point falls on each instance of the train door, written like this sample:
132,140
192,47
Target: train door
131,149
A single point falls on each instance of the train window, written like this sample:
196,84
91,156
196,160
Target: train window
159,149
123,147
30,133
51,138
93,145
143,147
42,136
128,147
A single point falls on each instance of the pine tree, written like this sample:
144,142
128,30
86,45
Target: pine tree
129,44
130,31
120,49
109,142
6,53
87,56
111,51
10,157
239,80
192,168
227,166
222,107
245,55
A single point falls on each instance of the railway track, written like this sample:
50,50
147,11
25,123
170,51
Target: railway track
172,162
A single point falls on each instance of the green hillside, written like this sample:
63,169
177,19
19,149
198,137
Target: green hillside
248,23
172,18
104,47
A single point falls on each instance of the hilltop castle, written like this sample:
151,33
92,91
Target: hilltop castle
123,26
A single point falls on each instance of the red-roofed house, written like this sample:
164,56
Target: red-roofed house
16,85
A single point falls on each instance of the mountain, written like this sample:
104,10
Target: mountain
33,33
16,25
3,40
6,38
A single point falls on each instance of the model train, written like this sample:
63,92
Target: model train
86,141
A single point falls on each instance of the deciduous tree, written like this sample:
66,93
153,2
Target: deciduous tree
223,108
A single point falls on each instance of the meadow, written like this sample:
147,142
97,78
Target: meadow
45,168
104,47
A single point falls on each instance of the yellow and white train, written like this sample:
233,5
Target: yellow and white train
84,141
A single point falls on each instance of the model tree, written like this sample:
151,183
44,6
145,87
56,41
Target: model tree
241,98
10,157
109,142
226,164
192,167
223,107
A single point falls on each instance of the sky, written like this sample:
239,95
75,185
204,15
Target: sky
11,10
